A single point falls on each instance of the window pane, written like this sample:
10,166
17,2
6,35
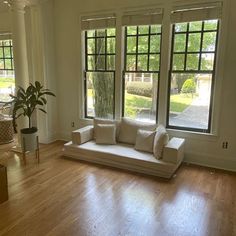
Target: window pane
1,64
143,44
100,63
195,26
101,33
155,41
111,32
142,62
111,62
7,76
100,94
180,43
190,100
194,41
141,96
7,80
155,29
111,45
210,25
6,42
8,64
207,61
91,33
209,41
178,61
91,62
154,62
143,29
131,30
131,63
180,27
192,61
100,45
131,44
7,52
91,46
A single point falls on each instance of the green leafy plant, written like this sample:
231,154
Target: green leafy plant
26,101
189,86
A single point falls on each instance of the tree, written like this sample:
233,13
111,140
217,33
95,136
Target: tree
189,86
194,46
102,82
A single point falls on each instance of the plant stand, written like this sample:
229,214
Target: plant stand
24,150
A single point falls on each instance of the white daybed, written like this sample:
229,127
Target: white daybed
123,155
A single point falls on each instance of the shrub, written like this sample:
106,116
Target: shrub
189,86
140,88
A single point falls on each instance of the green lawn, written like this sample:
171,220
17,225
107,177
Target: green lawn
179,102
6,82
135,103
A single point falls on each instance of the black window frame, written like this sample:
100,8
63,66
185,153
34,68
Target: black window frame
199,71
95,37
148,53
4,58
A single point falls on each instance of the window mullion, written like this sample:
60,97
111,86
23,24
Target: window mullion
105,49
200,53
186,47
95,53
149,41
136,64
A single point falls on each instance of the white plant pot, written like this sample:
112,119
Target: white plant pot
29,139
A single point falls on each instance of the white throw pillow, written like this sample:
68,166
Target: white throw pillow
144,140
97,121
129,128
106,134
160,140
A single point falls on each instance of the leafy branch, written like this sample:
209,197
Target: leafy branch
27,101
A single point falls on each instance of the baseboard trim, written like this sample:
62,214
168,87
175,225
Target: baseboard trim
211,161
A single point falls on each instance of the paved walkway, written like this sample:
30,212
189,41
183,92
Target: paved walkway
196,115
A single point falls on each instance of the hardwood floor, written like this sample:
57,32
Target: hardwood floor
61,196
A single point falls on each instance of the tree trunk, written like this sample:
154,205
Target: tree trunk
103,84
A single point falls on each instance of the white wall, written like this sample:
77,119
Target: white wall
39,22
48,124
201,149
5,22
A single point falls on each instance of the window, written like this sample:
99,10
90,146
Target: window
99,84
7,78
187,81
141,74
192,71
142,50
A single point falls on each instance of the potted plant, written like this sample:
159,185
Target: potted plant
26,102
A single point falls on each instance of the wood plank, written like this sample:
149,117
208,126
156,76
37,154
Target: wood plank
60,196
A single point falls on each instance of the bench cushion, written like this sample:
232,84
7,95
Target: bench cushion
129,128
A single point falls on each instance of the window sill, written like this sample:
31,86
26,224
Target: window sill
193,135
